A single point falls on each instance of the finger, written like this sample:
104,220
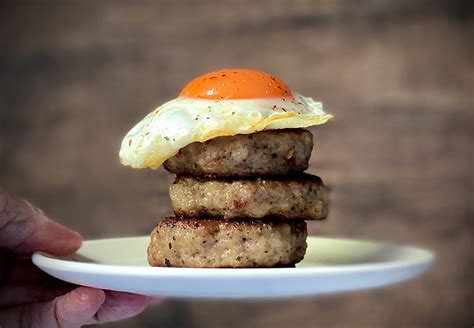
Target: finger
120,305
25,229
14,294
73,309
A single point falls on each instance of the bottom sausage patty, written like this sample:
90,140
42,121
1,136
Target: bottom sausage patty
219,243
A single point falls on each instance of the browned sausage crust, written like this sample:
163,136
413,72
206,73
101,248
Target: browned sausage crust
272,152
299,197
218,243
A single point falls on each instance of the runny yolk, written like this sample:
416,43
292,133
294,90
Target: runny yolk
236,84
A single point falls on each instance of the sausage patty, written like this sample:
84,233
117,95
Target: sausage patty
203,243
300,197
272,152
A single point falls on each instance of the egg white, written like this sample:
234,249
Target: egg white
182,121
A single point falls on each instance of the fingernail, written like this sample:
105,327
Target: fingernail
83,297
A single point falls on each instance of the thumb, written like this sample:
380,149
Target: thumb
25,229
73,309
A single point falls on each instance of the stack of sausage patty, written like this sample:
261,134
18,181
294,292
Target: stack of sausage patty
240,201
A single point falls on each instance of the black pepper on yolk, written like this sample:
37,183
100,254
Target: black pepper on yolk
236,84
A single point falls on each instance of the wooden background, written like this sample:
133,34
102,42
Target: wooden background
397,75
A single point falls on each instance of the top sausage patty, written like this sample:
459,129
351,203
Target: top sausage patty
270,152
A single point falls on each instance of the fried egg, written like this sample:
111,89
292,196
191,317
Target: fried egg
221,103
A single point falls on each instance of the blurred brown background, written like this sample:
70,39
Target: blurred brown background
397,75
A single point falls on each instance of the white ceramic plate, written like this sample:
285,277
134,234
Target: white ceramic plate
330,266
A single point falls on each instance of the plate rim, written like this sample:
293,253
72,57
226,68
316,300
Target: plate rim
425,258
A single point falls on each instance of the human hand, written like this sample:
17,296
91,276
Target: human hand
31,298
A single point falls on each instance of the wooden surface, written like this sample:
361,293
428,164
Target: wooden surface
397,75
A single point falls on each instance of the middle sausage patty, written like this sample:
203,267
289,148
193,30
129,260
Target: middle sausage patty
301,197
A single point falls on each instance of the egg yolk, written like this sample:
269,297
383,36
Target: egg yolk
236,84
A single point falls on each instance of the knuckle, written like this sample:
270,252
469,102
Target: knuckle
58,322
17,222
